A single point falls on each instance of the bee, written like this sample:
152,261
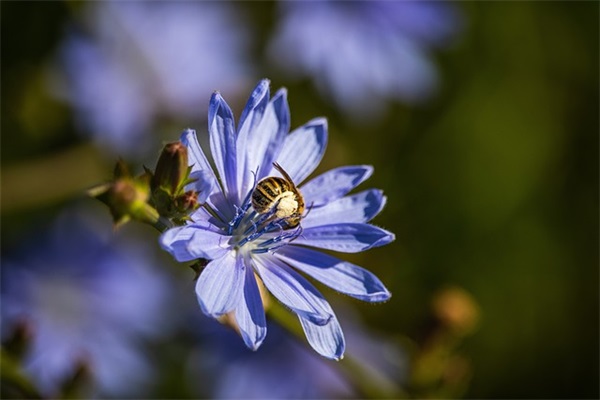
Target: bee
280,196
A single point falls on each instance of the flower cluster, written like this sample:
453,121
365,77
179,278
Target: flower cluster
243,243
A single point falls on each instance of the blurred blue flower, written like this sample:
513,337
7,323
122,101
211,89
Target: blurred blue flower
128,63
240,242
89,299
230,370
362,53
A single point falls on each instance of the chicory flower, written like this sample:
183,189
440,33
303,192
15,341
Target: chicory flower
385,53
242,244
125,65
89,299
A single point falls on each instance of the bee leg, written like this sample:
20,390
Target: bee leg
309,209
297,233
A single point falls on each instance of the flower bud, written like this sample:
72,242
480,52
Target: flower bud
172,171
456,310
187,202
127,197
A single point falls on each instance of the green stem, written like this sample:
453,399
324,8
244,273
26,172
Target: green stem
162,224
14,379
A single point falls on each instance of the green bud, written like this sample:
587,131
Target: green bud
168,183
188,202
172,170
127,197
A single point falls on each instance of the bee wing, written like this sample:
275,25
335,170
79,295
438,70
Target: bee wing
282,171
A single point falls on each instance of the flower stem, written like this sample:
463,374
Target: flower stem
15,379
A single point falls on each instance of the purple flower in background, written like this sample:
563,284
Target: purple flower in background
362,53
232,371
241,241
89,298
141,60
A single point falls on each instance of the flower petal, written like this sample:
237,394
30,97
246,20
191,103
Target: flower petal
265,141
346,237
202,170
339,275
292,289
196,157
303,149
203,184
251,117
360,207
327,340
334,184
220,285
194,241
221,127
250,314
255,107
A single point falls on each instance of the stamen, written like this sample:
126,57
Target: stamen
289,235
266,247
241,211
262,219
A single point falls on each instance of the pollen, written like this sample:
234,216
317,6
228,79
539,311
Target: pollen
288,205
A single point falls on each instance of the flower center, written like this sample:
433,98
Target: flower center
267,231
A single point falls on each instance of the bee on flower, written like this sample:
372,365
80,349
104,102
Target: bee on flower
262,224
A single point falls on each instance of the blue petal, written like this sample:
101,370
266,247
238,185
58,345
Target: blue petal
220,285
339,275
360,207
327,340
303,149
196,157
250,314
334,184
346,237
292,289
251,117
255,107
221,127
264,142
203,184
200,165
194,241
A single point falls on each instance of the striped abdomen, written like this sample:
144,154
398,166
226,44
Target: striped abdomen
268,192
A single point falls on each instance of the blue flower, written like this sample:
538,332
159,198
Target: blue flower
127,64
231,371
243,244
87,298
384,54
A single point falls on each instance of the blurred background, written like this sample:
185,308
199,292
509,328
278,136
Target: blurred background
480,118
